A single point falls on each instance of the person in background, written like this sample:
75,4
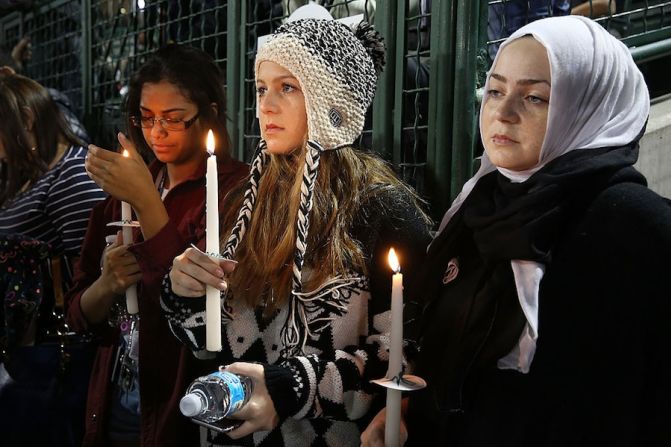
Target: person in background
546,292
13,63
45,201
140,369
506,17
307,307
45,193
596,8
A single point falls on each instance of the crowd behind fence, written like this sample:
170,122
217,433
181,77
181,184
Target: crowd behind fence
423,119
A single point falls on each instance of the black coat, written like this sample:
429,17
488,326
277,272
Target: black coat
601,374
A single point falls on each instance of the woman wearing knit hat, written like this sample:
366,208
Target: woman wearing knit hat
309,298
547,294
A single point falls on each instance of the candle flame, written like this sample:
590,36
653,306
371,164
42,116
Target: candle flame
210,142
125,153
393,261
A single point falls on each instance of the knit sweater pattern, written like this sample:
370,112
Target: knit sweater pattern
324,396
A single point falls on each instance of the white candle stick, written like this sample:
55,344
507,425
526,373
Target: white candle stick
392,433
212,294
127,232
392,427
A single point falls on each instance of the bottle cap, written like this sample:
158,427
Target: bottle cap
191,405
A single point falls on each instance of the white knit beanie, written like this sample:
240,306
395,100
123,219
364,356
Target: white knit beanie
337,68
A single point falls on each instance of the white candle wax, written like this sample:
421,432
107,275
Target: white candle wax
392,431
213,297
396,333
127,233
392,427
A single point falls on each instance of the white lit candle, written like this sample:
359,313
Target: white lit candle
392,432
213,297
127,232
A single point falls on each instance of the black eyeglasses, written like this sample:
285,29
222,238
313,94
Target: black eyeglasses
147,122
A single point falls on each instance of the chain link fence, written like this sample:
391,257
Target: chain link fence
423,119
635,22
55,31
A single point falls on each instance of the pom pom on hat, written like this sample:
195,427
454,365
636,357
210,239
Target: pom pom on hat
373,42
337,68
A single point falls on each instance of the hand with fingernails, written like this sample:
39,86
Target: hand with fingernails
125,178
128,179
259,412
193,270
373,435
120,269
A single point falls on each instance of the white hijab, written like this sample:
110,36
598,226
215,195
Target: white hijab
598,99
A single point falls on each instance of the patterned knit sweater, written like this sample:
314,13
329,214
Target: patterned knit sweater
323,397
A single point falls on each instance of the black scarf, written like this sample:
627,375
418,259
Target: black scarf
523,220
477,319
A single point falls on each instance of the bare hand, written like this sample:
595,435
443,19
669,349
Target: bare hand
193,270
120,268
373,435
259,412
125,178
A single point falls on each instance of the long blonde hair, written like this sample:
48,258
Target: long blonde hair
346,181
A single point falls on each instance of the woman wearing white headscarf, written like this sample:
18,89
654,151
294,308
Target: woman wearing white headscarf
547,300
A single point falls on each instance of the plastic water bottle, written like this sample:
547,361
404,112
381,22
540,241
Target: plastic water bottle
216,396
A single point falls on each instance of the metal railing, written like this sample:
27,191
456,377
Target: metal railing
424,116
644,25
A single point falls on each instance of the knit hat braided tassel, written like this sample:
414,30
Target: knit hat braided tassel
337,68
294,334
245,213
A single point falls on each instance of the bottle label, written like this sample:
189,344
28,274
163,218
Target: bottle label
235,389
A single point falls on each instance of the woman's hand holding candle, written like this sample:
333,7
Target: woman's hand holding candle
193,270
128,179
373,435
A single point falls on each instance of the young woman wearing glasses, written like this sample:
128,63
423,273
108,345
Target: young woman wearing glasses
173,100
